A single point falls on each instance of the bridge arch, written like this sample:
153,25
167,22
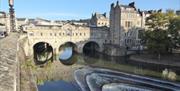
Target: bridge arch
69,44
91,47
42,52
67,53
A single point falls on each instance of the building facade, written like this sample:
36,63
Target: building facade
125,20
4,22
99,20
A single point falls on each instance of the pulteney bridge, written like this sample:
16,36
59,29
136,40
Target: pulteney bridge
52,38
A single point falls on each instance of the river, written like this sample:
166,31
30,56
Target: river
70,59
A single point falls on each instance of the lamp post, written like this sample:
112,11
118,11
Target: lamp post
12,15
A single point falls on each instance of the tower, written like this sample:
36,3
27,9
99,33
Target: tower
12,15
115,23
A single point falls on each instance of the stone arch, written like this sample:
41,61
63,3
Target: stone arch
42,52
66,55
69,43
91,47
34,42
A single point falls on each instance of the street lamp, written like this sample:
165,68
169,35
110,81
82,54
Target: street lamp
12,15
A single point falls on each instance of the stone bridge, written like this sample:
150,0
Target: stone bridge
56,36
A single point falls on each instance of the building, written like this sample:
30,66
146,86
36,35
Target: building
178,12
4,22
124,18
99,20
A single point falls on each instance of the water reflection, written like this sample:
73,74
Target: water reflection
58,86
67,56
66,53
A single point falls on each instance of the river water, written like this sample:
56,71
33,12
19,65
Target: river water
68,57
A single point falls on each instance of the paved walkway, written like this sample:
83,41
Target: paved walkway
8,63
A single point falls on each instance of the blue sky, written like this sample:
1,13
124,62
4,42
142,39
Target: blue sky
78,9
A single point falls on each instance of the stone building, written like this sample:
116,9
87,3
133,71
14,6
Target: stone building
21,22
99,20
4,22
124,18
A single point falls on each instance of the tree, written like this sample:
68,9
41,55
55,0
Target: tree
174,32
170,14
156,38
157,20
157,41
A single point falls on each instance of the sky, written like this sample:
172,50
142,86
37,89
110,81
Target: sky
78,9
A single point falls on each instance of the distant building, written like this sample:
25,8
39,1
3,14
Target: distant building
178,12
4,22
99,20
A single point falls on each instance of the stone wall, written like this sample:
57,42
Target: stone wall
9,73
114,50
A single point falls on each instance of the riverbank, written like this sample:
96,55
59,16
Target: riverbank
166,60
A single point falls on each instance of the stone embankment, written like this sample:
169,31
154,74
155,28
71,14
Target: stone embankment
27,80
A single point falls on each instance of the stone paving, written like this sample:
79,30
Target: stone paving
8,63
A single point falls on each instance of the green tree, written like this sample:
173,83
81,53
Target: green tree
157,20
170,14
157,40
174,32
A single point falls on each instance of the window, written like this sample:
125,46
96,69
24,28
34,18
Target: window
41,34
50,34
76,34
80,34
128,24
84,34
105,41
54,34
31,34
59,34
